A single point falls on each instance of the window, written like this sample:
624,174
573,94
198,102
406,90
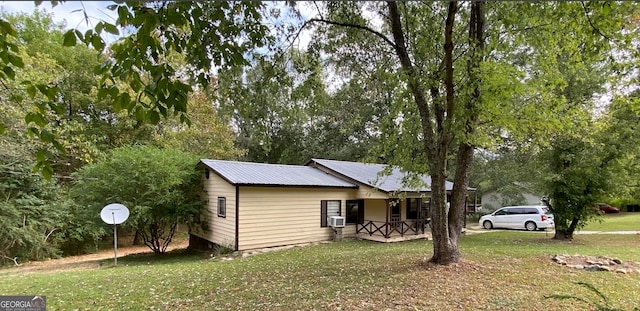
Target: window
329,208
413,206
424,209
222,207
355,212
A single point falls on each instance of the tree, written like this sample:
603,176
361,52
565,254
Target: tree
208,33
206,136
577,177
508,67
159,186
284,113
438,114
620,132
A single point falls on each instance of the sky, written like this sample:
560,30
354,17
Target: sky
71,11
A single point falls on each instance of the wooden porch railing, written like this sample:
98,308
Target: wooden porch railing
385,229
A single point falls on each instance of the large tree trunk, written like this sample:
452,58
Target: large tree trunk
446,223
566,233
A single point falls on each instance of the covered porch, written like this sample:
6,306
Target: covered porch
391,220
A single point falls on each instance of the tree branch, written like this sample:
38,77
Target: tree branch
412,78
373,31
586,14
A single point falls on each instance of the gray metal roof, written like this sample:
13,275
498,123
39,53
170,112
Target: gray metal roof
367,174
247,173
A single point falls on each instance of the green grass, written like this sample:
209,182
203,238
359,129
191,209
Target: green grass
501,271
616,222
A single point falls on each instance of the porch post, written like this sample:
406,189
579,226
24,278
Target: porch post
388,217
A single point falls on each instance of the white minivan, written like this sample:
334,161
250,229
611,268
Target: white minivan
529,217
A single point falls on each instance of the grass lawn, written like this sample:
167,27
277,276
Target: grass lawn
501,271
616,222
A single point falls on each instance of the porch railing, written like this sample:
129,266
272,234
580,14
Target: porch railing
386,229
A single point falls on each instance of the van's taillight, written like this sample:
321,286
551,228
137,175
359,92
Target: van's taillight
543,217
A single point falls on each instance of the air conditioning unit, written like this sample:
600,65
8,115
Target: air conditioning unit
336,221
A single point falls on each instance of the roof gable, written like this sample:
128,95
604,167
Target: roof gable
247,173
368,174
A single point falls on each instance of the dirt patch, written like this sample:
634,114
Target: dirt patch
81,262
599,263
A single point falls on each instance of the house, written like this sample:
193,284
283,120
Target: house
515,194
256,205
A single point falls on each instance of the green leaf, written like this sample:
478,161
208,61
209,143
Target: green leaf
37,118
99,27
41,155
7,28
9,72
69,38
47,136
16,61
79,35
32,131
154,117
112,29
97,42
1,129
606,8
31,91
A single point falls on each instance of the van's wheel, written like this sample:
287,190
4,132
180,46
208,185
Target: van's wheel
487,225
530,226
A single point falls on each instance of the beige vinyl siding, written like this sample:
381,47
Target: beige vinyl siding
363,191
366,192
275,216
221,230
349,231
375,210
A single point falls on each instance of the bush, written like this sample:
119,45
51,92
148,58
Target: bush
161,188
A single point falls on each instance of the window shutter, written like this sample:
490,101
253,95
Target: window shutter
323,213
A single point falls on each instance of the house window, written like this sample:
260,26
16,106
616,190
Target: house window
355,212
413,206
222,207
329,208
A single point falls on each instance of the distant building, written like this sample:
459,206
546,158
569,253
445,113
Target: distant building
496,199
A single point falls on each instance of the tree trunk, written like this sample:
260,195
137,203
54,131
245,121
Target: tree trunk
446,223
566,234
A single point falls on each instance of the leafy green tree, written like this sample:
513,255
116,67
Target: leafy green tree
284,111
509,172
34,212
160,187
207,135
620,133
207,33
83,125
577,176
508,60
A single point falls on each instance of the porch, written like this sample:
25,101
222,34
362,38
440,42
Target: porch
393,231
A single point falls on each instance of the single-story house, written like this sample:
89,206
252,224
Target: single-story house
516,194
256,205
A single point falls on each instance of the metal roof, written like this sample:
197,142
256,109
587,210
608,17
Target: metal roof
247,173
369,174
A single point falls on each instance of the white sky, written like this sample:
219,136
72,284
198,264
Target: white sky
71,11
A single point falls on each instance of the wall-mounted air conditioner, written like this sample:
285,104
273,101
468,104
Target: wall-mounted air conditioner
336,221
